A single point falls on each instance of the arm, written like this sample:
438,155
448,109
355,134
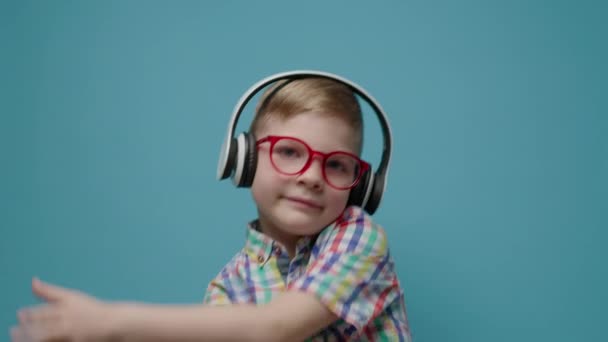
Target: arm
276,321
71,315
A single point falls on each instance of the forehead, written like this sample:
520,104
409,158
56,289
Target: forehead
321,131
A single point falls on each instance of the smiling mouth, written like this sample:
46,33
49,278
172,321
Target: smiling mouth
304,202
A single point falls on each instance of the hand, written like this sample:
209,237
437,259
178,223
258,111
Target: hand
67,315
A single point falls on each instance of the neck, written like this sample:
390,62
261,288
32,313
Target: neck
286,240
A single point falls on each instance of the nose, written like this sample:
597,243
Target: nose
312,177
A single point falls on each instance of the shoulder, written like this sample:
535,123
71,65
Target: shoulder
236,262
230,274
353,232
224,287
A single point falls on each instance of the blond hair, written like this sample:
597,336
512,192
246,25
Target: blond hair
287,98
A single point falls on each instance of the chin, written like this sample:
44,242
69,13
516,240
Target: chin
299,223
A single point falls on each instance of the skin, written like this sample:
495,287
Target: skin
289,207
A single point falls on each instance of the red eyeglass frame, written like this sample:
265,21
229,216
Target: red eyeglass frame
273,139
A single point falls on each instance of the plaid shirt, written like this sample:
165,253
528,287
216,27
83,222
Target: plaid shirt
347,267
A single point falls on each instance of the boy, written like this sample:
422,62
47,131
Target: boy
313,267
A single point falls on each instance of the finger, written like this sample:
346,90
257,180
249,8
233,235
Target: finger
50,293
38,313
39,332
17,335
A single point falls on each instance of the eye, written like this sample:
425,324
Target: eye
337,165
286,152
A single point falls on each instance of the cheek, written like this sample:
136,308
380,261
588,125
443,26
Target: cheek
266,180
264,170
338,198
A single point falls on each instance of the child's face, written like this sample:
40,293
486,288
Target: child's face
301,204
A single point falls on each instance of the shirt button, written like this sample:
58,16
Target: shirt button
260,258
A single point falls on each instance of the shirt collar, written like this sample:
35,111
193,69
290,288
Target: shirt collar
261,246
257,244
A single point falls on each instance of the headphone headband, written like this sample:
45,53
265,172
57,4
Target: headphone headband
224,169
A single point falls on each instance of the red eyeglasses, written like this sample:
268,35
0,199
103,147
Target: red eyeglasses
292,156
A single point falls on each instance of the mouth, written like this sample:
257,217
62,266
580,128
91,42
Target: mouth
304,202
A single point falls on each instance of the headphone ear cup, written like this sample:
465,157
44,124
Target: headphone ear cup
357,194
375,195
239,159
248,159
227,159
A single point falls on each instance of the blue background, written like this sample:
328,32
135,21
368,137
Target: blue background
113,112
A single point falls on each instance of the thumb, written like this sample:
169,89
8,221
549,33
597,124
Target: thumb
50,293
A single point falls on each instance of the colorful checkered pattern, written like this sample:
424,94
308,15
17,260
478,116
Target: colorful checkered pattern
347,267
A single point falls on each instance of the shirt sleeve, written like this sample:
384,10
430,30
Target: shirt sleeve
350,270
217,293
222,290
